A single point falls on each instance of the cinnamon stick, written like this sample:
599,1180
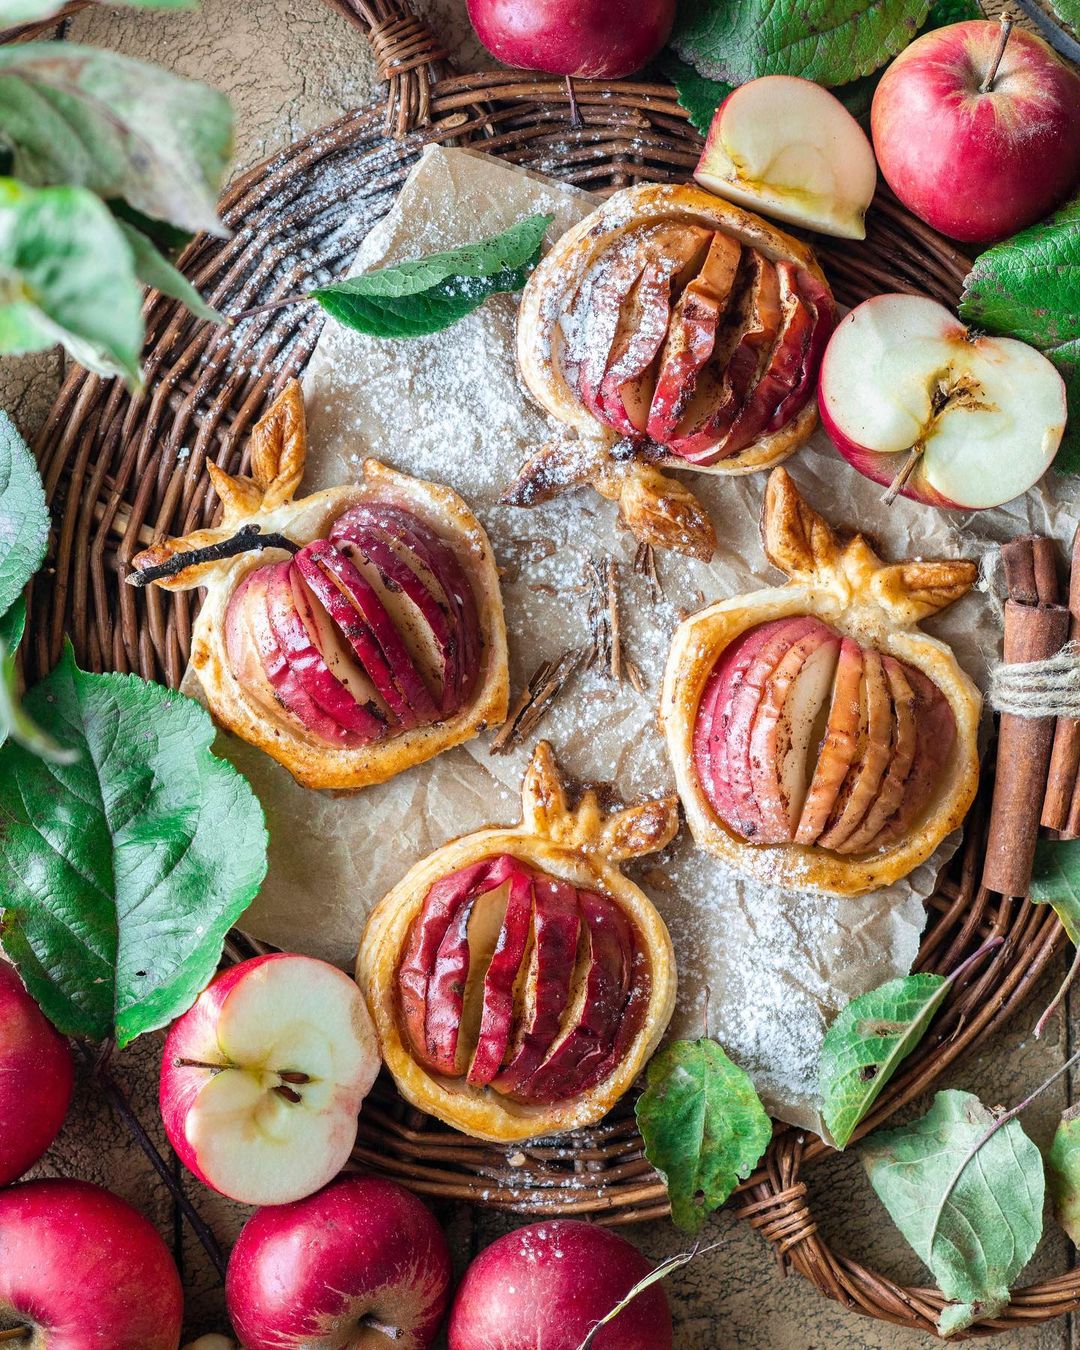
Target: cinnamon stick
1036,628
1062,789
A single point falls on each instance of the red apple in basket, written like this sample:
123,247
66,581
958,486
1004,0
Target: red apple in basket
362,1263
910,397
262,1079
976,146
549,1284
81,1270
36,1078
596,39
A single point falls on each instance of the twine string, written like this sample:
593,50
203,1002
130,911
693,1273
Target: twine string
1049,688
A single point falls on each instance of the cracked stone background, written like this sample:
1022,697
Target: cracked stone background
289,67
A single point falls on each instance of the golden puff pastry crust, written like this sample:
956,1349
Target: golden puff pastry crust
266,501
877,604
581,845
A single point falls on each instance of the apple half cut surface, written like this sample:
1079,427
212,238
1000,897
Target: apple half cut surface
819,739
517,980
262,1079
913,399
349,634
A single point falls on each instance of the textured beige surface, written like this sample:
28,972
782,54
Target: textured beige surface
290,65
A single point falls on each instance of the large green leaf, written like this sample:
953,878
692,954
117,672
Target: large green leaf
15,721
156,271
1063,1172
1055,880
122,873
425,295
703,1125
867,1043
13,12
24,517
67,275
119,127
1029,288
830,41
968,1198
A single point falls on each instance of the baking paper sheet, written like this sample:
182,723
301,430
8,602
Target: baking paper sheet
776,966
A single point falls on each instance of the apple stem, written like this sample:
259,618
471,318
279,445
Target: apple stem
372,1323
576,119
197,1064
244,541
906,470
1003,41
15,1334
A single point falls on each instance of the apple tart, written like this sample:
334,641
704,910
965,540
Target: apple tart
819,739
517,980
350,634
670,327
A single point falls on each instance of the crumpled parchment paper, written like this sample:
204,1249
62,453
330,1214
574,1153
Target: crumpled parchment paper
776,966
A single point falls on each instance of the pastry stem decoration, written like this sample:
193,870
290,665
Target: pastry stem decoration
819,739
350,634
518,981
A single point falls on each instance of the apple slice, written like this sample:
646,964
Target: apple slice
901,756
501,981
263,1077
839,748
794,696
913,399
595,316
549,978
691,335
863,781
788,148
823,320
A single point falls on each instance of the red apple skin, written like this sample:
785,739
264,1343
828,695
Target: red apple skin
36,1078
85,1271
977,166
596,39
549,1284
362,1247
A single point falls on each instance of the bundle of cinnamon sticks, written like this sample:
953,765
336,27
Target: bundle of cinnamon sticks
1037,778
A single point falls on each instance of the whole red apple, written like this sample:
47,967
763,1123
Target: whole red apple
978,158
361,1263
36,1077
81,1270
596,39
549,1284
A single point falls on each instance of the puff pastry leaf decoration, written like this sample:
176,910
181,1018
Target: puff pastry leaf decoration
517,980
672,329
819,739
350,634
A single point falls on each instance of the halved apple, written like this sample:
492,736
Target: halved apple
788,148
914,400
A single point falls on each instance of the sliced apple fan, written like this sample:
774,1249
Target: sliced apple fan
806,736
520,981
700,342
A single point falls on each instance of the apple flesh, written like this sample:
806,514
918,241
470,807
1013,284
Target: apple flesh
910,397
262,1079
362,1264
549,1284
788,148
36,1078
82,1270
978,163
596,39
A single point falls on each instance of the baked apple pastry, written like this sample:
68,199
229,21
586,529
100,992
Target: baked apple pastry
671,327
517,980
349,634
819,739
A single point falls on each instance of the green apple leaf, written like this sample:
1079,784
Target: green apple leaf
156,271
24,517
699,95
1055,881
1063,1173
425,295
67,275
122,128
867,1043
967,1196
13,12
15,721
122,872
703,1125
830,41
1029,288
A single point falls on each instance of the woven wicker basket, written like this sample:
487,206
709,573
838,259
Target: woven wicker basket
122,469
